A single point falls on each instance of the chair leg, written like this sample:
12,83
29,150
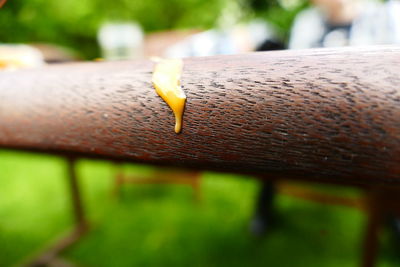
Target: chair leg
81,224
371,238
78,209
118,181
196,185
264,208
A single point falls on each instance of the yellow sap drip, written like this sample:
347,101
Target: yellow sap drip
166,80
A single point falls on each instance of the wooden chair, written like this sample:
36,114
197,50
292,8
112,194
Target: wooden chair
162,177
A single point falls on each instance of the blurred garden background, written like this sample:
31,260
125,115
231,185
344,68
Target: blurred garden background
74,24
153,225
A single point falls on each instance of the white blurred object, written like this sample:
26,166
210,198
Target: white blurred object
307,29
392,9
122,40
290,4
335,38
19,56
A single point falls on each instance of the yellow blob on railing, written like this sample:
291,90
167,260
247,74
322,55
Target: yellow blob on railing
166,81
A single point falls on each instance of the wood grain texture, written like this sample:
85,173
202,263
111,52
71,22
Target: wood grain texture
325,114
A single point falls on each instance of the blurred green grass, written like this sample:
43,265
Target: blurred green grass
154,225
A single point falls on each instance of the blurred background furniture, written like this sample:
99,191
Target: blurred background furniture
160,176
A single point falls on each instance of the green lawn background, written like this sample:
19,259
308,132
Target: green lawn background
153,225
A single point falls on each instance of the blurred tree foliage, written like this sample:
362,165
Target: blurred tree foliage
74,23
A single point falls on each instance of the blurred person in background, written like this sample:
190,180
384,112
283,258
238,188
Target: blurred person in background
239,38
232,34
333,23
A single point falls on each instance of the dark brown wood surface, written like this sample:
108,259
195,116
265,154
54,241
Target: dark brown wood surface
322,114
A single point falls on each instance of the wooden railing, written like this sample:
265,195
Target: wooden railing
330,114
